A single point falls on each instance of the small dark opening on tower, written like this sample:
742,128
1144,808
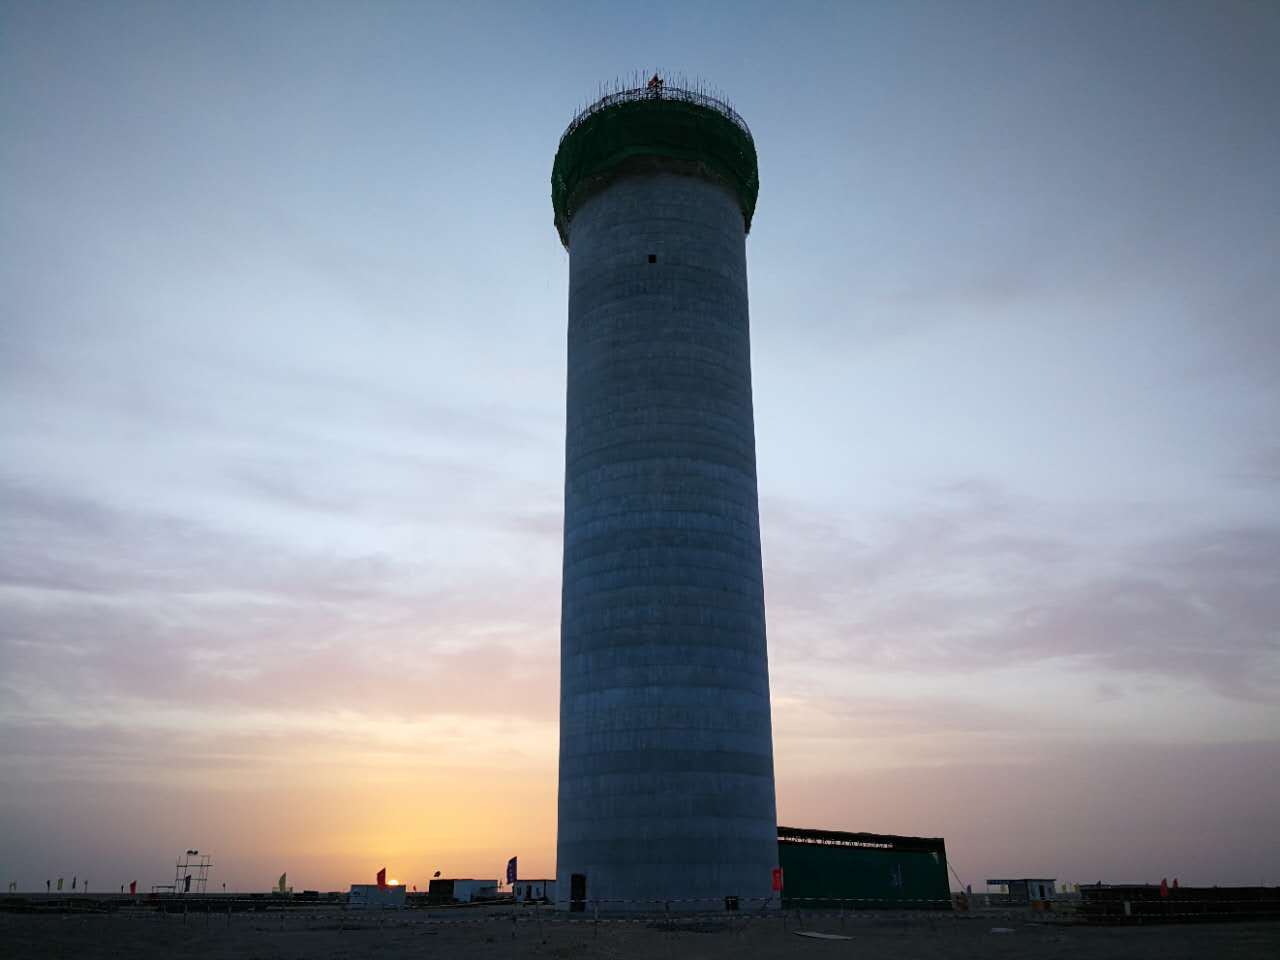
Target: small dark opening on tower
653,258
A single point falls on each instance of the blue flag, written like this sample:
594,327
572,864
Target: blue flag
511,870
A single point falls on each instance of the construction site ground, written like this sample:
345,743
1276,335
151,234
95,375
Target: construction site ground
347,935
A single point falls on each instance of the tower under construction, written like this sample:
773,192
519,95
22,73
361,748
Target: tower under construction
666,747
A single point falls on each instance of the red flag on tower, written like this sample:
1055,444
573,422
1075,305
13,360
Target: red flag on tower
1164,886
382,878
133,887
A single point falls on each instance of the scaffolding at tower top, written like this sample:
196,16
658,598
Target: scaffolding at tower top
647,127
680,90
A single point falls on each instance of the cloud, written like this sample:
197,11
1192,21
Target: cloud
1261,470
985,582
105,611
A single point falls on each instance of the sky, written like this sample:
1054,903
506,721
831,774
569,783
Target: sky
282,380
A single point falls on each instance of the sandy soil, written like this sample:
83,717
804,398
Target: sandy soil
334,936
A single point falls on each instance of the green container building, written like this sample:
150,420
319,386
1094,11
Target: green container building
826,869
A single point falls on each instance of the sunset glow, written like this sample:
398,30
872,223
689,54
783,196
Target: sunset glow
282,426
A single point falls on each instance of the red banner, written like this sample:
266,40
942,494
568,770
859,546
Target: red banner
777,879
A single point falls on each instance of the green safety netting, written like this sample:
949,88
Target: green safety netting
632,131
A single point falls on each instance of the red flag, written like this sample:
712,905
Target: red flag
1175,883
133,887
1164,886
777,878
382,877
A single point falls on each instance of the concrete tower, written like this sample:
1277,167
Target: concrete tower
666,746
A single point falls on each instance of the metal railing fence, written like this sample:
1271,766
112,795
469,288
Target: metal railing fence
664,92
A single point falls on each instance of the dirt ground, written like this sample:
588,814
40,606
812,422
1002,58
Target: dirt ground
334,936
